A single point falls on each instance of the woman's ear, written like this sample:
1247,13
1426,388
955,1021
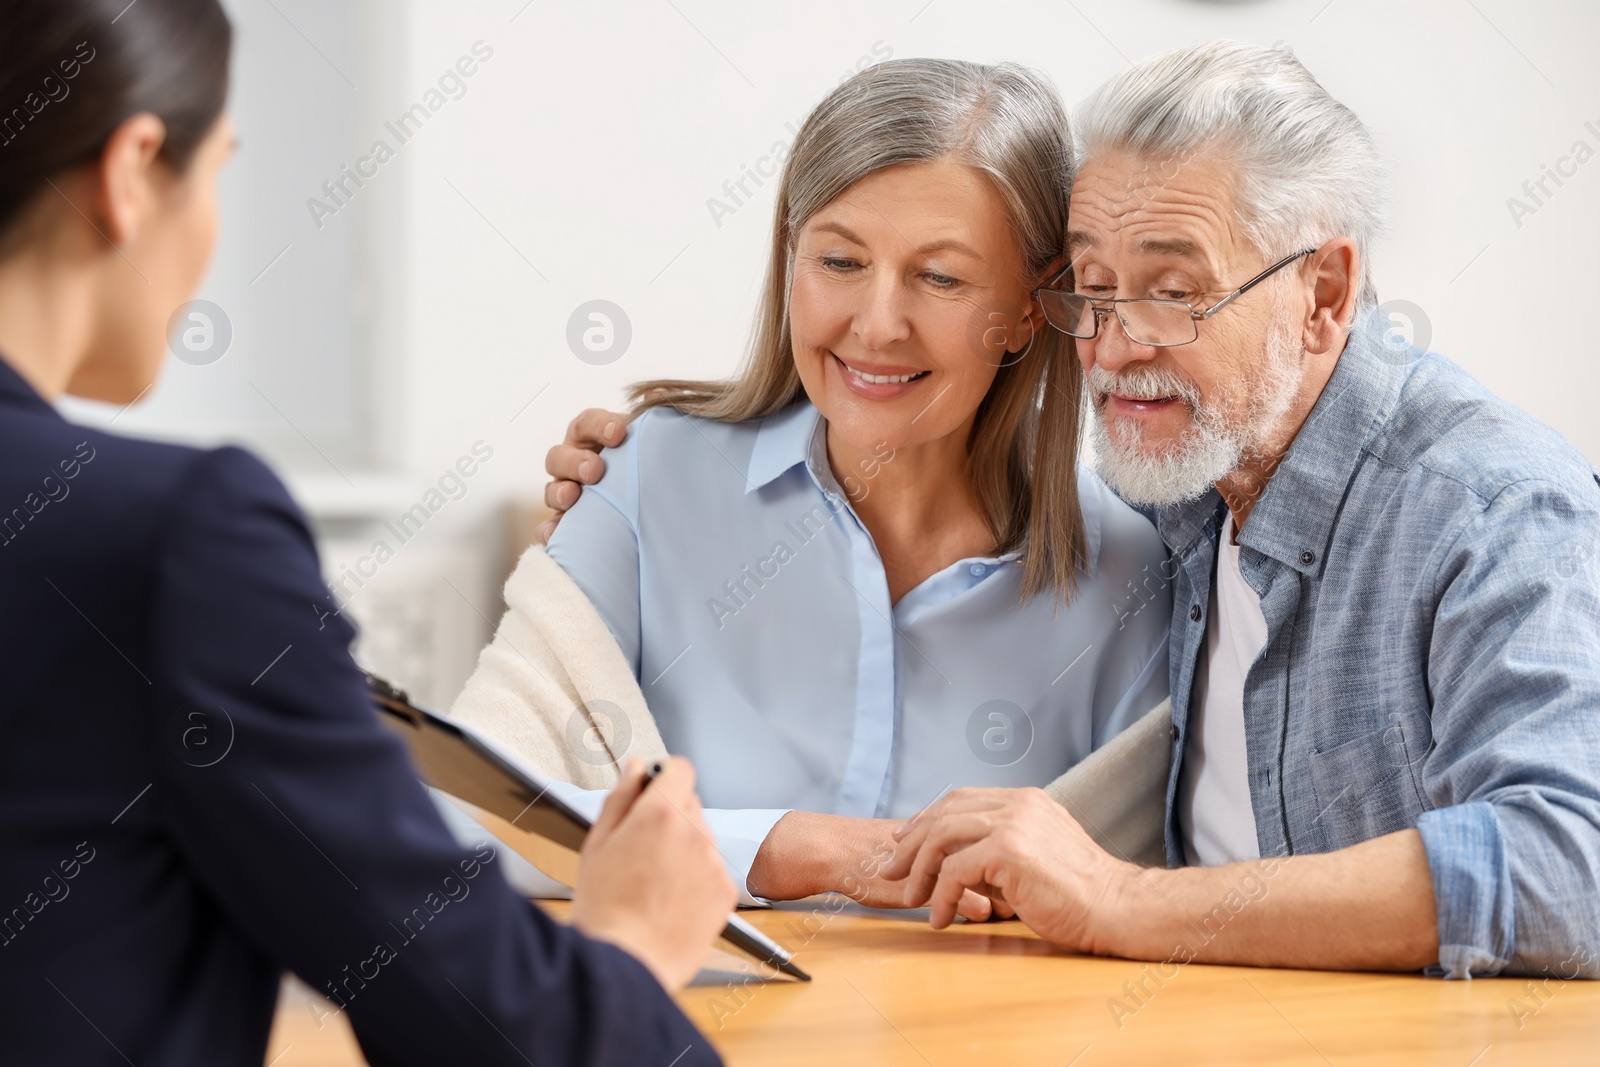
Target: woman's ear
123,180
1052,273
1034,318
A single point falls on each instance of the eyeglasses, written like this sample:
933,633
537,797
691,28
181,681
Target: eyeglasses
1157,323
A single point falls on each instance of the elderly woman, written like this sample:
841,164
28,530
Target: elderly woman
867,568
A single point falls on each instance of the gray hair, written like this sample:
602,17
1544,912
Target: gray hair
1008,123
1001,119
1307,168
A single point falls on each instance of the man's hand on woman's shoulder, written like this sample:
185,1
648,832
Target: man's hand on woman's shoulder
576,462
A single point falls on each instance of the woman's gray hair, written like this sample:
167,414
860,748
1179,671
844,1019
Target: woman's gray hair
1007,122
1003,119
1307,167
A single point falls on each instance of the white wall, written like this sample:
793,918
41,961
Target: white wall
596,135
289,383
427,314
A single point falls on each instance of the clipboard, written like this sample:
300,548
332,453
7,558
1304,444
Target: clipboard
466,765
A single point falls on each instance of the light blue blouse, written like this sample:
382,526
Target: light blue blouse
754,609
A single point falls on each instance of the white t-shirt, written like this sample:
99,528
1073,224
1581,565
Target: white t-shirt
1214,810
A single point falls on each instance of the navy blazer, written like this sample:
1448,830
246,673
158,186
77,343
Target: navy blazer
195,796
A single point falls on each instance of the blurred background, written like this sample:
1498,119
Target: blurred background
453,224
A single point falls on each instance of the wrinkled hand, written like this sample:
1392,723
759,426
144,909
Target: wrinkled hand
650,879
875,891
807,853
1022,850
576,462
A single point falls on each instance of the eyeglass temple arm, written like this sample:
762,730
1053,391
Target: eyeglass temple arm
1056,277
1251,284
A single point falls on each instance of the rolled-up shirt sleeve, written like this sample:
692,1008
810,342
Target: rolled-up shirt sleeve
1513,837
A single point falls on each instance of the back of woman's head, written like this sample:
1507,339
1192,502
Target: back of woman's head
72,71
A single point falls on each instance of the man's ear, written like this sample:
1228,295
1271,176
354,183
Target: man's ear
122,182
1335,288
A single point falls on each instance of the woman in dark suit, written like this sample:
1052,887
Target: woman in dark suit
195,795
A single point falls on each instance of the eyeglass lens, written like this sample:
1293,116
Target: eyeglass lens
1146,322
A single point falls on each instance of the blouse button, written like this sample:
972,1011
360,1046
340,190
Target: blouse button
1194,613
977,570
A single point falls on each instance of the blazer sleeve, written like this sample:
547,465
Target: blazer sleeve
305,820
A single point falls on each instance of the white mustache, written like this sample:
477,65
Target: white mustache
1143,383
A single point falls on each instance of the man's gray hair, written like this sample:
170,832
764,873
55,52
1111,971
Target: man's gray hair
1307,168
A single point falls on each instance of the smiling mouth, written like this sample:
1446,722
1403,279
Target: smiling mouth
1130,399
882,379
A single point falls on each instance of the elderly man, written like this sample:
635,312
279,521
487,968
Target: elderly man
1386,629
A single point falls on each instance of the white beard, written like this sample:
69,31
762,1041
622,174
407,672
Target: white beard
1216,443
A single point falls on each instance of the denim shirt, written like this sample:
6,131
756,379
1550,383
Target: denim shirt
1428,561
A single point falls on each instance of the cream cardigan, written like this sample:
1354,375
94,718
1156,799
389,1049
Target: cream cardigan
554,688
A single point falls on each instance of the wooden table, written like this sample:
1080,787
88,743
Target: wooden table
889,991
